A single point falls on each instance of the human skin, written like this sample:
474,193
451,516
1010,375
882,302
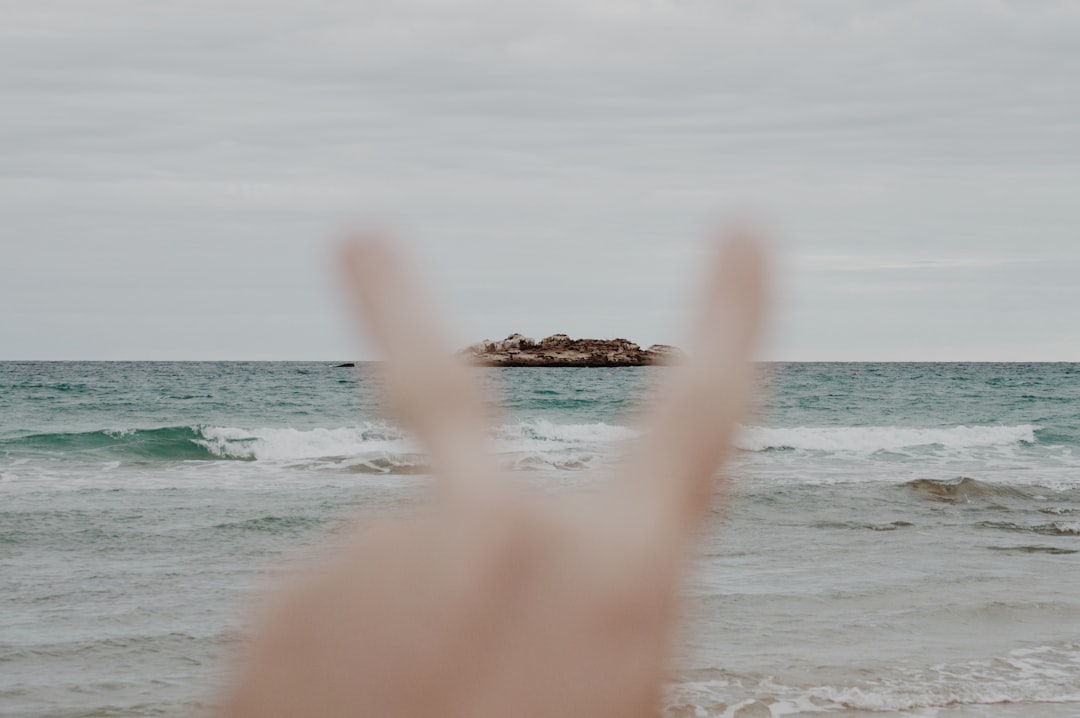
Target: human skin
492,602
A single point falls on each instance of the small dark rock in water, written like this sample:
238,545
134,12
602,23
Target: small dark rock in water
346,364
561,350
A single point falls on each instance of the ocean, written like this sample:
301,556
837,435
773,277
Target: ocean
899,540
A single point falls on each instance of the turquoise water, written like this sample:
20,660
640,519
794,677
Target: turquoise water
903,539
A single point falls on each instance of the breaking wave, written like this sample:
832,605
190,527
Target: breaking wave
167,443
378,447
288,444
871,439
372,447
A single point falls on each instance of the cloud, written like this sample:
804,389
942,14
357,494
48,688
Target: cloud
558,142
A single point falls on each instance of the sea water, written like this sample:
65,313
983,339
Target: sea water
899,539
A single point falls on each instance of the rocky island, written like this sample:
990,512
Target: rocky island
561,350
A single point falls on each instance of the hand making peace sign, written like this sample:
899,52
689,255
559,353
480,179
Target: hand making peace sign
495,603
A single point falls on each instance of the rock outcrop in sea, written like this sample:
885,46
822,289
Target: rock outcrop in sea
561,350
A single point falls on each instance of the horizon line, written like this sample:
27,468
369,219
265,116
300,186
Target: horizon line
377,361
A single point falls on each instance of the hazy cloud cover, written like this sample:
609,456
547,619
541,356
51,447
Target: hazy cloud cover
173,174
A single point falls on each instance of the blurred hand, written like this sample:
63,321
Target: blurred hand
495,603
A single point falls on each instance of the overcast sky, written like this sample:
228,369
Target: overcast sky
173,174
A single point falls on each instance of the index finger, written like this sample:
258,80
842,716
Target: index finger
671,467
432,393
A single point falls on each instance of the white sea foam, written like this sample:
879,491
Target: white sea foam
541,441
1039,675
869,439
540,444
532,443
284,444
541,430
